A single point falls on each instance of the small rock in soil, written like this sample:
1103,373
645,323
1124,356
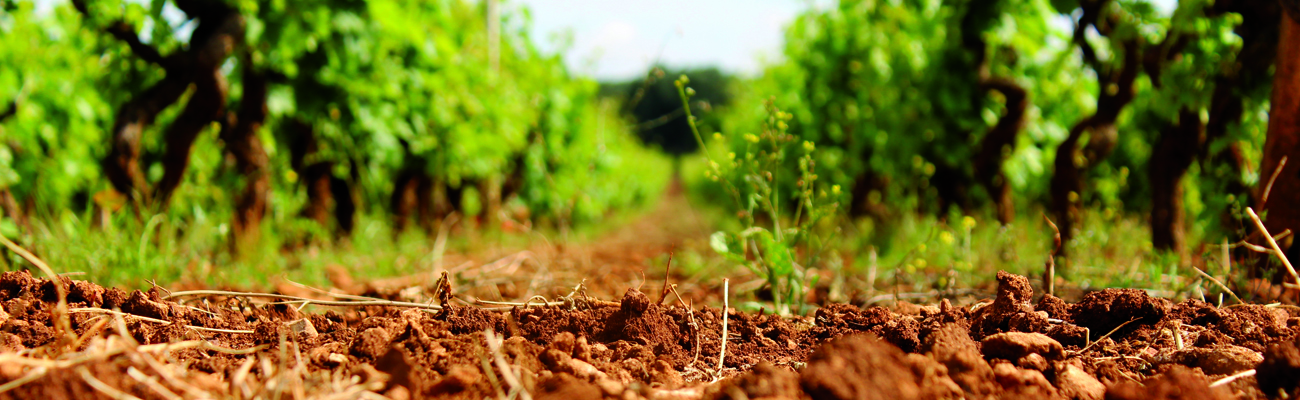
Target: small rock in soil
564,342
1015,345
1221,360
1023,383
82,291
302,328
1074,383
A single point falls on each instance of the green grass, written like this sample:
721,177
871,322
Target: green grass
169,249
1109,251
925,250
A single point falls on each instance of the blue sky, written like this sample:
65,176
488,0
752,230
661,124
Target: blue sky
620,39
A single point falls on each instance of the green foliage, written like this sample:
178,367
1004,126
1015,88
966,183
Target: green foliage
764,246
887,92
880,88
385,86
51,144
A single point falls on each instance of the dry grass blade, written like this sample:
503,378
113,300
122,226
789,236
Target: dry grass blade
152,383
726,304
1103,337
668,270
240,379
155,320
1277,250
1228,379
1263,199
507,373
1049,273
1219,283
14,358
1253,247
103,387
690,313
25,379
296,299
329,293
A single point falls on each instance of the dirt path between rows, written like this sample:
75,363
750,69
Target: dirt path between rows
630,255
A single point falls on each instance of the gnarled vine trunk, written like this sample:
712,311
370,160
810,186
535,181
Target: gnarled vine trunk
1221,157
1116,83
250,157
1173,153
1280,197
219,31
326,194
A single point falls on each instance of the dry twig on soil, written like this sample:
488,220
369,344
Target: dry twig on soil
296,299
154,320
1228,379
507,373
726,304
1103,337
1219,283
1049,273
1277,250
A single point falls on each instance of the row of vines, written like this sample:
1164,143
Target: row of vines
1014,107
279,110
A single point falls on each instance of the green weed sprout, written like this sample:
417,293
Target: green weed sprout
753,182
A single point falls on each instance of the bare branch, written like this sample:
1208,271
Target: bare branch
125,32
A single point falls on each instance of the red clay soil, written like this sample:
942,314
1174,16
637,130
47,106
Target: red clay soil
1114,344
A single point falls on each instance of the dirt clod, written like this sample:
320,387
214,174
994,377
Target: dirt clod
1011,311
1104,311
1279,373
862,367
1219,360
641,349
1015,345
1178,383
1074,383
